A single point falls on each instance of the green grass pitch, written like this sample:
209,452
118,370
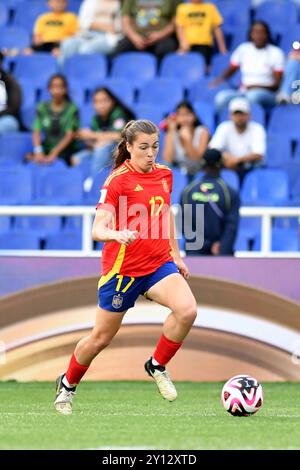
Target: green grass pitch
117,415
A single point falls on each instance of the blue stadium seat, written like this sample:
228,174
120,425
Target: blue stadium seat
280,15
287,39
92,197
285,121
38,225
64,241
238,36
74,5
163,91
148,111
265,187
206,114
16,185
19,241
3,14
37,67
58,186
180,181
15,146
188,68
29,92
87,112
26,13
219,63
200,91
287,222
125,66
122,88
282,240
231,178
243,240
73,223
235,15
13,37
28,116
93,65
278,150
257,114
5,223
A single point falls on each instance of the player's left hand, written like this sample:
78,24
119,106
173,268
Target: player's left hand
183,269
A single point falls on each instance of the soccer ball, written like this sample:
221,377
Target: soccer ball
242,395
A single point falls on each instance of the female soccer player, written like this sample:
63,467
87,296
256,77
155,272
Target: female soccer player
140,256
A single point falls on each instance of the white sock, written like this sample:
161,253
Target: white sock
66,383
154,362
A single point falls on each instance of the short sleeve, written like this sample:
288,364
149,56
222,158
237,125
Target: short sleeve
73,123
259,140
180,15
278,59
218,140
37,125
126,8
110,194
217,19
236,56
39,25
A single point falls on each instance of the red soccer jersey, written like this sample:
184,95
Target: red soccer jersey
139,201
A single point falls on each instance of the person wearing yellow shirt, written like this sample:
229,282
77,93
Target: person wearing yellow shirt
196,25
53,27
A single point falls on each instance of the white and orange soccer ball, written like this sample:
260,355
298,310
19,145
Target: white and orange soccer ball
242,395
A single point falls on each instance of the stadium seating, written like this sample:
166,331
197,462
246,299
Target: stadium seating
206,113
26,13
148,111
188,68
285,121
279,15
236,15
5,224
287,39
3,14
282,240
38,225
166,92
180,181
13,37
93,65
92,197
125,66
201,90
37,68
58,186
15,146
27,117
16,185
29,92
64,241
121,88
278,150
265,187
19,241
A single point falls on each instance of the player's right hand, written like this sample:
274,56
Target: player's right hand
126,236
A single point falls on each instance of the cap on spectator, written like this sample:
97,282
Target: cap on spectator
241,105
212,157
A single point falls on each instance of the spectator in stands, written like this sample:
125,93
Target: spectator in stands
56,125
196,24
290,88
261,66
106,126
100,29
186,139
148,26
52,28
10,101
221,209
241,141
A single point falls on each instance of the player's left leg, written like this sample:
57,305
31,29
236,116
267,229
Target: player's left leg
172,292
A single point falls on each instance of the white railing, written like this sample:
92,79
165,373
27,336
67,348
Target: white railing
266,213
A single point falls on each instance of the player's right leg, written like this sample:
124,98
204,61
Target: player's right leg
106,326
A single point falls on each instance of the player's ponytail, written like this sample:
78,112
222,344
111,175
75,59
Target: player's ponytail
128,135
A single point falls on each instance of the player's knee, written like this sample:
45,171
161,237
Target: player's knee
100,343
188,312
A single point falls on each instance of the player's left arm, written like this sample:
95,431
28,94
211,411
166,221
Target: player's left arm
175,249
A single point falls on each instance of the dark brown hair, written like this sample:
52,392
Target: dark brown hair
129,134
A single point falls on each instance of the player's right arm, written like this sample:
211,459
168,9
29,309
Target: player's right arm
102,232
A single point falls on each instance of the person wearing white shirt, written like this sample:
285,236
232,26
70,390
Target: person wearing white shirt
241,141
100,29
261,65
